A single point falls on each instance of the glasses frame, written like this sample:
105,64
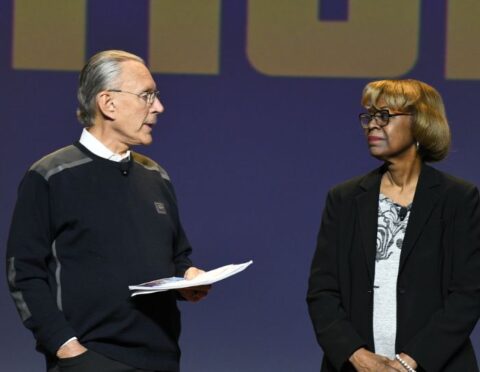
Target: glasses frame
382,117
148,97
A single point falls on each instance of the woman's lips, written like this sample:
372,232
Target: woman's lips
374,139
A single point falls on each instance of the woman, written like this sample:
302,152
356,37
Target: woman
395,279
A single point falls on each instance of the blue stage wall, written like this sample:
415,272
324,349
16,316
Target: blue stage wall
261,102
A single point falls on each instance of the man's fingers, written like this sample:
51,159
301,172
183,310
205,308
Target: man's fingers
195,294
192,272
202,288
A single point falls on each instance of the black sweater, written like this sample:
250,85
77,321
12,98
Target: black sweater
83,229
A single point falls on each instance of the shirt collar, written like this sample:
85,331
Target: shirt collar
88,140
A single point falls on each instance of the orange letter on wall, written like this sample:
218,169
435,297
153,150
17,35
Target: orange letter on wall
185,36
286,38
49,34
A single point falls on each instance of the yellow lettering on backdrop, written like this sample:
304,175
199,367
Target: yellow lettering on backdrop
49,34
185,36
286,38
463,49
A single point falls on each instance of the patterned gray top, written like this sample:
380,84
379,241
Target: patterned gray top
391,227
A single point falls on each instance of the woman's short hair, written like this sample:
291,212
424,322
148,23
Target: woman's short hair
100,73
430,126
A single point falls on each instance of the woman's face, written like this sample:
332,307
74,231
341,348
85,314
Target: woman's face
392,141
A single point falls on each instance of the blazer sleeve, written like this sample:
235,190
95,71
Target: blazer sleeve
335,333
450,327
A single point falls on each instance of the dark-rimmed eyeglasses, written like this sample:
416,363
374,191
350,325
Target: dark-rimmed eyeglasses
148,97
382,117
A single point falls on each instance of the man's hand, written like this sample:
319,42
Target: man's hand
409,360
366,361
192,272
71,349
194,294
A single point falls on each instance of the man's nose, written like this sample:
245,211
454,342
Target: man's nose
157,106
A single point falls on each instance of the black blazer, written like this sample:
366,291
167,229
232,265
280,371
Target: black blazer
438,288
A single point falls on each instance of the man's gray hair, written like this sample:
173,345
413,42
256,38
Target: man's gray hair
100,73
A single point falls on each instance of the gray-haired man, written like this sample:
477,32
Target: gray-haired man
94,217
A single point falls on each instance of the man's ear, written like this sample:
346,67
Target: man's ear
106,105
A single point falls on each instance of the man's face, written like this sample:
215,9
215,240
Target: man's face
135,117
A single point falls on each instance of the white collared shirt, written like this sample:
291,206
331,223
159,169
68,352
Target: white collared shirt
88,140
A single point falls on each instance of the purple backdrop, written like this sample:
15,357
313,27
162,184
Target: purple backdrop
252,157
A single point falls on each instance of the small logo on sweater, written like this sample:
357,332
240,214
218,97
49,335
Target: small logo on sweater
160,208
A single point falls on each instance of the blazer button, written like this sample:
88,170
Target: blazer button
402,291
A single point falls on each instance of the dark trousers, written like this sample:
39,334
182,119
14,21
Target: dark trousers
91,361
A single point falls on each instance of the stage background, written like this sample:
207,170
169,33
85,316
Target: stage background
261,100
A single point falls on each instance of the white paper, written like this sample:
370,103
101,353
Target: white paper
208,277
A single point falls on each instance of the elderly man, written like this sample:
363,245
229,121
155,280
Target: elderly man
94,217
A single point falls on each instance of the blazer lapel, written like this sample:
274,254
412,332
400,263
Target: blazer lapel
426,196
367,211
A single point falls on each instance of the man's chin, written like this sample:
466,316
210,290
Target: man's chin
147,140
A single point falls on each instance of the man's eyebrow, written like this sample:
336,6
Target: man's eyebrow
147,91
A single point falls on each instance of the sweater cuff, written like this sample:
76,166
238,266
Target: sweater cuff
180,269
66,342
58,339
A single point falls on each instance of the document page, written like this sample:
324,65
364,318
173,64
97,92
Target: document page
208,277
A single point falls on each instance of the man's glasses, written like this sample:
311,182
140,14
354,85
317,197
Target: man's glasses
148,97
381,117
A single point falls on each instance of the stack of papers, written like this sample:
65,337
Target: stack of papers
208,277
